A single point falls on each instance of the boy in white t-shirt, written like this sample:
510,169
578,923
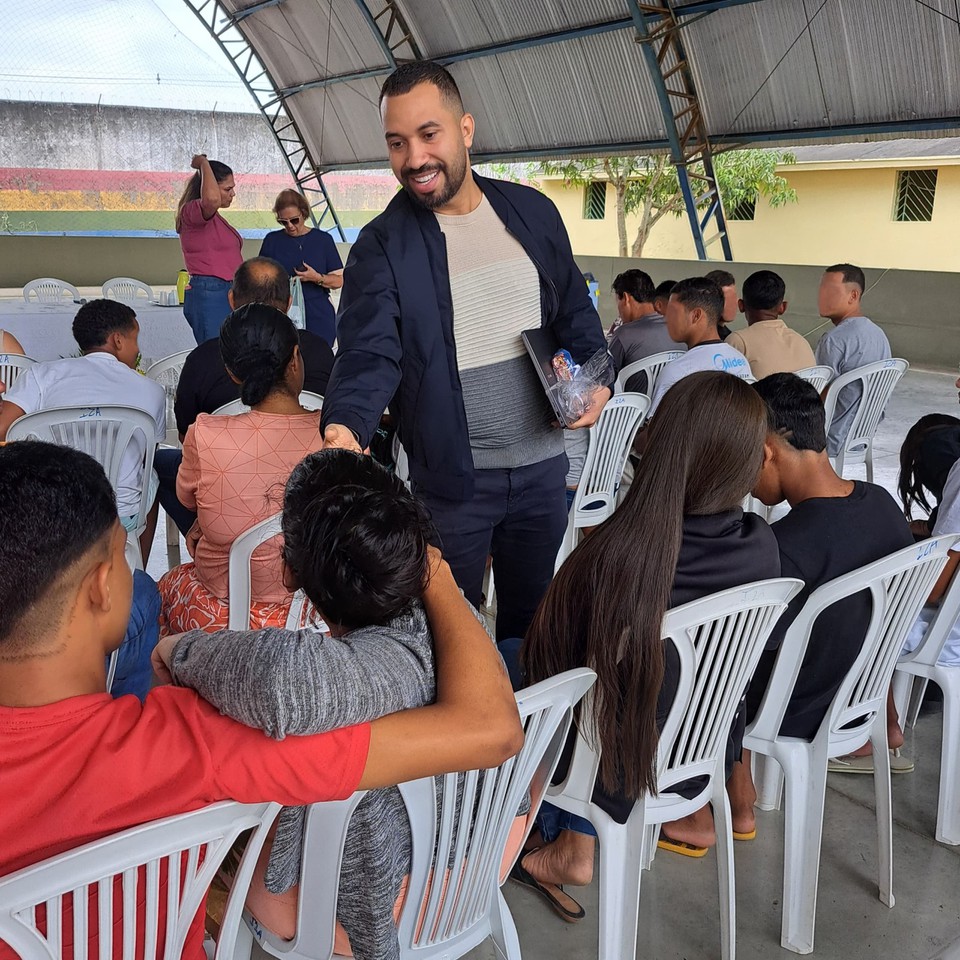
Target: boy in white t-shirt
105,375
694,310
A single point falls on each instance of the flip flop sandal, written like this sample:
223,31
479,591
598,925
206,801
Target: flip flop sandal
850,764
751,835
679,846
522,876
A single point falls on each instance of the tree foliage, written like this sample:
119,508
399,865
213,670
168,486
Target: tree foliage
649,186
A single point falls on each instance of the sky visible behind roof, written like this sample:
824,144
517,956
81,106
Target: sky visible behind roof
150,53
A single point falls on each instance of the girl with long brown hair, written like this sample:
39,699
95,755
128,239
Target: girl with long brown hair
680,535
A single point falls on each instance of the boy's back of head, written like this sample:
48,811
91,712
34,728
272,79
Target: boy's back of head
355,539
795,411
58,507
763,290
97,319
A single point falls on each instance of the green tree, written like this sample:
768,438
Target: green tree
649,186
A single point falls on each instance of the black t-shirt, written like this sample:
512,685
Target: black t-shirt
819,540
205,386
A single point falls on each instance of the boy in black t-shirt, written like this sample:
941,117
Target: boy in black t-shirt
834,527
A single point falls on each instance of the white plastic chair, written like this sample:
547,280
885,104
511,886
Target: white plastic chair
651,366
819,376
137,863
442,920
922,665
899,585
166,372
127,290
102,432
11,366
719,640
302,612
876,382
308,400
50,290
610,439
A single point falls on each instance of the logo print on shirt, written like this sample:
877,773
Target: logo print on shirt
728,363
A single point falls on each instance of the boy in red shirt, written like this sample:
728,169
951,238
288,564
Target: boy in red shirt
76,765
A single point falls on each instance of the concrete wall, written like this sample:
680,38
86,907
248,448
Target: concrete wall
918,310
843,213
79,136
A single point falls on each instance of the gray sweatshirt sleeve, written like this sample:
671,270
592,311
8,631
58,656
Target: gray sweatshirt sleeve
301,682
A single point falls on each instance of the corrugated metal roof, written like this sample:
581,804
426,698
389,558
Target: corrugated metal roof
934,148
767,71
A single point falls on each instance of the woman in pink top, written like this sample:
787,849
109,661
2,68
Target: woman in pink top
234,470
212,249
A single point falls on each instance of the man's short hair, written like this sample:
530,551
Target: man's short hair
261,280
664,289
700,292
763,290
851,274
635,282
412,74
794,410
722,278
96,320
57,503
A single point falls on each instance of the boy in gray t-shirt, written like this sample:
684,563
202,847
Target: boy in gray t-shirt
854,341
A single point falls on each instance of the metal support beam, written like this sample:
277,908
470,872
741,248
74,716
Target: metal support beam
659,33
390,28
220,24
254,8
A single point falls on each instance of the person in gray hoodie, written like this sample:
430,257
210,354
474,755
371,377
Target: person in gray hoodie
355,541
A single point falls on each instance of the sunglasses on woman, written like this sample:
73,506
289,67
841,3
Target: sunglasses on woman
293,221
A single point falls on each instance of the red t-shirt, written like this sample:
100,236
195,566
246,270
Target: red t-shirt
89,766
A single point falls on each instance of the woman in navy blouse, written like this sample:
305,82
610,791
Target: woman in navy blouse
309,254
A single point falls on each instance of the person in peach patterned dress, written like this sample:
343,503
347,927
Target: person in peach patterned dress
234,470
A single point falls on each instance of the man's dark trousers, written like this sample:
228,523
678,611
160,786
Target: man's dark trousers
518,516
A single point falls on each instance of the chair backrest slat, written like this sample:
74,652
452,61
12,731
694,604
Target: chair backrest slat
122,872
651,366
608,447
718,641
898,586
11,366
127,290
819,376
874,383
102,432
460,835
302,612
50,290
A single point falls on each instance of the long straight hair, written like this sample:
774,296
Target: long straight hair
604,609
192,190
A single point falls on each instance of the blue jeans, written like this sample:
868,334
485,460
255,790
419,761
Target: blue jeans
134,673
205,306
166,463
519,517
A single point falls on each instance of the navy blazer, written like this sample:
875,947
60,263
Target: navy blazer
395,328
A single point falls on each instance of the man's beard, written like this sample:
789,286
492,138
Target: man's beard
453,181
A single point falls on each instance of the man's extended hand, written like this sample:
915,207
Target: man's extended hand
597,402
341,437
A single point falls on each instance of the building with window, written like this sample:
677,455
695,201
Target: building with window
887,204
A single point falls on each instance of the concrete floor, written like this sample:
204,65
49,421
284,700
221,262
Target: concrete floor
679,913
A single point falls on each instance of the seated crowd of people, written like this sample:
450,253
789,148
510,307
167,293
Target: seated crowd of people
356,542
400,678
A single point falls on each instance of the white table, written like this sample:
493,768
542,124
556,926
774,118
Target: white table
45,330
